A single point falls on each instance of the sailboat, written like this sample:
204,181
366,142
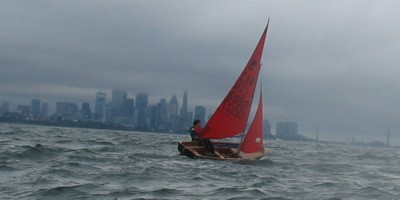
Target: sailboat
231,117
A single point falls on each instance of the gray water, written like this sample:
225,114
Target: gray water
38,162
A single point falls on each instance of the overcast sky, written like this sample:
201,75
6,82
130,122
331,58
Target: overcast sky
332,64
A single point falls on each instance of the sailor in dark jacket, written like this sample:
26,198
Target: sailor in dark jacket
195,131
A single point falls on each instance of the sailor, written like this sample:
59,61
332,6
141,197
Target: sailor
195,131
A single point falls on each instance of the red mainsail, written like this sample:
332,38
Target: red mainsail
253,140
231,116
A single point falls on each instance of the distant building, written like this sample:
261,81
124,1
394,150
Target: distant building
183,122
108,114
67,110
126,115
184,108
189,121
85,110
286,129
128,108
44,110
24,110
99,105
142,100
153,117
172,112
5,108
200,113
162,114
35,106
172,107
267,129
117,99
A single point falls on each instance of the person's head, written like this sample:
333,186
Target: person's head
195,122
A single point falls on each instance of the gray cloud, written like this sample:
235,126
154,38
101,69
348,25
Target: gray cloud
331,64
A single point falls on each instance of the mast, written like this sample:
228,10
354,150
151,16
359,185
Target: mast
388,136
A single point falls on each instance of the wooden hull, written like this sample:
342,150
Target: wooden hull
223,151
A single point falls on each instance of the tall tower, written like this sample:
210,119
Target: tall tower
267,129
388,137
172,111
5,108
173,106
85,110
44,111
99,105
184,108
162,114
117,98
286,129
142,100
140,110
35,106
200,113
183,122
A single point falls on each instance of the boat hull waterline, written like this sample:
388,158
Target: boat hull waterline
223,151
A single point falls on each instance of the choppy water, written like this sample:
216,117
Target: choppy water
70,163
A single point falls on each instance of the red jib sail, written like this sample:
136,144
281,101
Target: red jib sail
253,141
231,116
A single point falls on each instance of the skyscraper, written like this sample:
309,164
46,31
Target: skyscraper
183,121
118,96
173,112
99,105
200,113
67,110
184,108
140,110
24,110
126,114
5,108
163,122
173,107
35,106
128,107
286,129
142,100
85,110
267,129
117,100
44,111
153,117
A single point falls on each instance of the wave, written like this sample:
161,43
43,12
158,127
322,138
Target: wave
266,162
69,192
6,168
55,163
31,152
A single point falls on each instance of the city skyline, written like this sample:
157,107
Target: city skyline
274,129
331,64
72,111
283,129
52,104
